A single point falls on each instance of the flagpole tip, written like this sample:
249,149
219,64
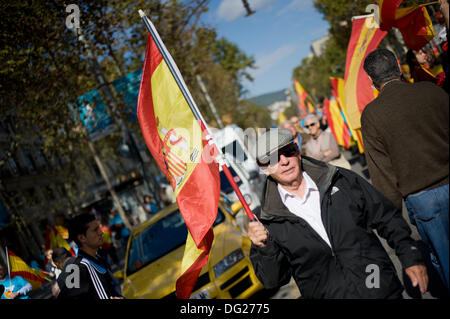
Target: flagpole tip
141,13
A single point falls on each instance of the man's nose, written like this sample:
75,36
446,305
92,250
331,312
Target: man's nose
283,160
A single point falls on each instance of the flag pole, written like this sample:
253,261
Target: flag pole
9,269
190,101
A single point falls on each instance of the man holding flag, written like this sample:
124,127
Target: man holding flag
316,225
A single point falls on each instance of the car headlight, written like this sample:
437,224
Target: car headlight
228,262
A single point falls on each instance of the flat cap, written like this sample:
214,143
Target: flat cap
270,142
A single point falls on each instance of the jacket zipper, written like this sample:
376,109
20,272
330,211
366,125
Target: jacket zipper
327,226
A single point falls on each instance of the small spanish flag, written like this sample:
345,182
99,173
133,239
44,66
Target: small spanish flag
20,268
301,96
414,23
55,239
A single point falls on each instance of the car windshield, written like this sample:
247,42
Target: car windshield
159,239
225,185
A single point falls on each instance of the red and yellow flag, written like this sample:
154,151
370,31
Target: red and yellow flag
55,238
365,37
20,268
336,122
175,138
311,108
339,94
301,96
413,22
281,117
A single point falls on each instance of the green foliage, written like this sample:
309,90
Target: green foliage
44,67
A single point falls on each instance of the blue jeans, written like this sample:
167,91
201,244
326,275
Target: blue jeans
428,210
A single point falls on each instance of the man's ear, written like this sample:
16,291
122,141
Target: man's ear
373,83
266,170
81,238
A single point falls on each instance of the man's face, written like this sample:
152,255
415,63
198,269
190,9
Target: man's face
287,169
290,127
93,237
2,272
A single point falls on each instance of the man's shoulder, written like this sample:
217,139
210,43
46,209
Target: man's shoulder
370,111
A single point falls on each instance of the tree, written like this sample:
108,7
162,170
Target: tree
45,68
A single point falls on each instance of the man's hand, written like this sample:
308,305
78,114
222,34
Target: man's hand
257,233
418,275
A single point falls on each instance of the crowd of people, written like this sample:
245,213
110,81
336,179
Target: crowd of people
317,220
317,217
109,251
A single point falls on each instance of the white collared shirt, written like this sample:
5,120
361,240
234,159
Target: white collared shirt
306,207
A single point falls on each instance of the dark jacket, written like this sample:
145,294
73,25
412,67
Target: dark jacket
349,215
406,133
95,279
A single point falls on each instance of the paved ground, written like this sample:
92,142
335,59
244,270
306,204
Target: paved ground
290,291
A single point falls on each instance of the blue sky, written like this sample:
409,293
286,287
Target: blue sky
278,36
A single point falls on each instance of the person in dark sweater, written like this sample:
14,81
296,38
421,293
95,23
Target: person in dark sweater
406,139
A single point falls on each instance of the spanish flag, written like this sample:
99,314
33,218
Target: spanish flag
338,92
336,123
365,37
311,108
281,117
55,239
301,96
20,268
174,137
413,22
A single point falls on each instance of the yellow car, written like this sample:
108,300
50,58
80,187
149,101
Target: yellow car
155,250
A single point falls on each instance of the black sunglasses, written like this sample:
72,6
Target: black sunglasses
312,124
288,151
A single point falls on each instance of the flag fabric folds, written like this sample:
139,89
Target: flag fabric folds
365,37
301,96
175,139
336,122
55,239
339,94
311,108
414,23
20,268
281,117
387,10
